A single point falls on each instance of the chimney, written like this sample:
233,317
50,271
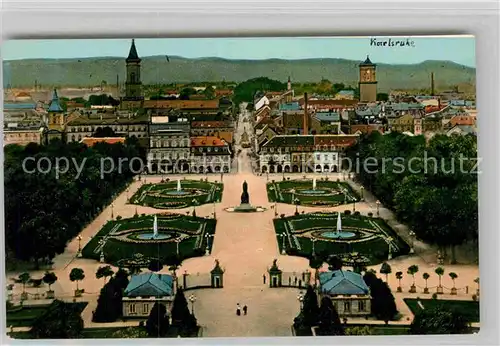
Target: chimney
306,118
432,83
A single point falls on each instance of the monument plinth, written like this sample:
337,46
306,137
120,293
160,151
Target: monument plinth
245,206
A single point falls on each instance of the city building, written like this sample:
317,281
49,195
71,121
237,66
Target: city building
169,145
143,291
348,291
210,154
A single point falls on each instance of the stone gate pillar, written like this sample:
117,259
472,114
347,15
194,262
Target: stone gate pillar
275,275
217,276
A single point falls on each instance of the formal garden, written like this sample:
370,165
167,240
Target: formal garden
137,241
469,309
26,315
175,194
322,234
314,193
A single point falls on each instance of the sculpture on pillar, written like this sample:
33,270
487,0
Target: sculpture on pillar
245,198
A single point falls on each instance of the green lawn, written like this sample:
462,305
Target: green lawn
27,315
209,192
280,191
469,308
117,249
375,248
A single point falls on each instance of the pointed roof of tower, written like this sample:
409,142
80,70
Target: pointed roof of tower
55,106
132,55
367,62
288,78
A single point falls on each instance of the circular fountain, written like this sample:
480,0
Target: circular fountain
333,234
151,236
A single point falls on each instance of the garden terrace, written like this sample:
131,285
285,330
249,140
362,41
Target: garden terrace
166,196
24,316
367,236
469,309
326,194
124,245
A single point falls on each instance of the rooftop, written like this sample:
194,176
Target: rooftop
132,54
367,62
207,141
149,284
19,105
342,282
327,116
182,104
292,106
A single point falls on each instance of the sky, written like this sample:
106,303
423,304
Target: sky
460,49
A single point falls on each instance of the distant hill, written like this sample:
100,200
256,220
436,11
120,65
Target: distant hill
156,69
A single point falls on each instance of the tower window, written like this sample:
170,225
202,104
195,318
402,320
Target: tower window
132,77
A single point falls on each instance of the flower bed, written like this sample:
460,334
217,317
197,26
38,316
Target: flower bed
370,240
335,193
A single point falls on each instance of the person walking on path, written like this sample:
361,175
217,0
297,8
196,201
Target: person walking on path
245,310
238,309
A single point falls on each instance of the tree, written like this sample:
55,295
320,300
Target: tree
426,277
329,320
155,265
386,269
186,93
121,279
476,280
382,97
24,278
439,320
440,272
383,304
310,310
106,131
412,270
59,321
209,92
334,263
109,303
49,278
104,272
77,275
453,276
399,276
182,318
158,323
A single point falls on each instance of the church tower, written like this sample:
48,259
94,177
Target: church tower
367,81
133,85
56,114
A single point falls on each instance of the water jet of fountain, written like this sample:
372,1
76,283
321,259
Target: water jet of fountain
314,183
339,223
179,189
155,228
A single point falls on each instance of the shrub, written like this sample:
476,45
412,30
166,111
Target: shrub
370,214
474,297
119,217
357,213
434,296
347,212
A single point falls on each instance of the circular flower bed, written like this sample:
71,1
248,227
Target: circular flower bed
170,205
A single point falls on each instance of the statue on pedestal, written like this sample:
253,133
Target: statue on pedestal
245,198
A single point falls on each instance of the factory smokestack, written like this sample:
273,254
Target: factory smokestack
432,83
306,117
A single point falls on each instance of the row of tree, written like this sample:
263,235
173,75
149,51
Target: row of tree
432,186
45,207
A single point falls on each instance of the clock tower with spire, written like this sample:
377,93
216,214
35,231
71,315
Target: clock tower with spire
133,85
367,81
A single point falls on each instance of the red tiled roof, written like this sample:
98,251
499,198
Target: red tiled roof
210,124
182,104
207,141
432,109
225,135
366,128
462,120
223,92
336,140
90,141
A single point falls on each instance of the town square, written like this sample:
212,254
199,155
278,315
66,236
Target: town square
245,220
